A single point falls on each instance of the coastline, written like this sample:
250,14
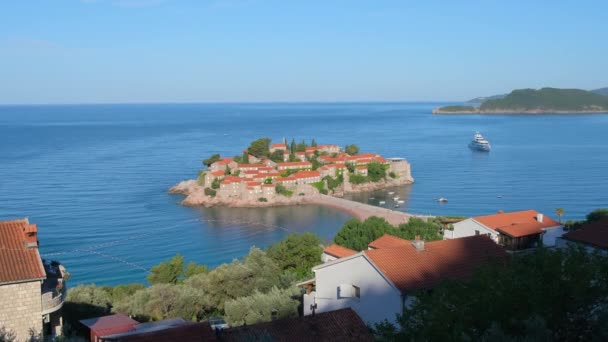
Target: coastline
516,112
195,197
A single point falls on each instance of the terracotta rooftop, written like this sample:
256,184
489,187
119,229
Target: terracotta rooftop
218,173
592,233
224,161
279,146
339,325
306,174
108,325
517,223
389,241
186,332
338,251
410,269
300,163
17,261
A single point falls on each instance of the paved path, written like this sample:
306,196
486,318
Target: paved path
362,211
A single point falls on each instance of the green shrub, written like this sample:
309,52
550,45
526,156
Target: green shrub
216,183
320,185
262,199
258,307
357,179
376,171
200,179
324,191
210,192
392,174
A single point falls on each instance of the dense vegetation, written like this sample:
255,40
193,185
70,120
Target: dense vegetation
548,295
357,234
243,291
458,109
548,99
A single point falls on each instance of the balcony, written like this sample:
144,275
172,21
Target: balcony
54,289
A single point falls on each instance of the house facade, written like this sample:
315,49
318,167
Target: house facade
514,230
378,283
32,291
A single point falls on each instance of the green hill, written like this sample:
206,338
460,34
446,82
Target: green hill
545,100
548,100
601,91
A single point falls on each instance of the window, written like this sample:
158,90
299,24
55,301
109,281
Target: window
477,232
357,291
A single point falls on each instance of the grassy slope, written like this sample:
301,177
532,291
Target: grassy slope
548,99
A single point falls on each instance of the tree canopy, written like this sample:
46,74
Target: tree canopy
545,295
597,214
357,235
297,253
260,147
207,162
172,271
376,171
352,149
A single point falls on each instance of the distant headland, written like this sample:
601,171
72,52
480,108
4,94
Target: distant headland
531,101
269,174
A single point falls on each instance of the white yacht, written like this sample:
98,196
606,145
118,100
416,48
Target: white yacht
480,143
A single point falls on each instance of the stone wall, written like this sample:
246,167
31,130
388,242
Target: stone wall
20,308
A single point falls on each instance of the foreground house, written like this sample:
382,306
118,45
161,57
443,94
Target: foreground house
340,325
120,328
32,291
514,230
379,283
592,236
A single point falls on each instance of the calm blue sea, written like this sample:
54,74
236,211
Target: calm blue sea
94,177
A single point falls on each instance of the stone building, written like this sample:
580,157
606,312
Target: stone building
32,291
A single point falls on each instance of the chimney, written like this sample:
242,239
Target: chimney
539,217
31,235
418,244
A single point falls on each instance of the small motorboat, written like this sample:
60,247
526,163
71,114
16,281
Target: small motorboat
391,192
442,200
397,205
400,202
396,198
382,202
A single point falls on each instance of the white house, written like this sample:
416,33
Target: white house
593,236
515,230
378,283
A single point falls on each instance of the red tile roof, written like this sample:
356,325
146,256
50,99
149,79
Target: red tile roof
187,332
17,261
108,325
456,259
278,146
338,251
300,163
224,161
517,223
389,241
218,173
244,166
306,174
592,233
333,326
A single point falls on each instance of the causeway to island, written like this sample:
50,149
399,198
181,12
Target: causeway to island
269,174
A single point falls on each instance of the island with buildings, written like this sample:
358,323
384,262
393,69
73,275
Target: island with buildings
531,101
269,174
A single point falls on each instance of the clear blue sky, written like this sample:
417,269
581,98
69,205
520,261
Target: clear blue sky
99,51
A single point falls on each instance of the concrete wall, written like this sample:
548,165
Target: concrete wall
467,228
20,308
378,300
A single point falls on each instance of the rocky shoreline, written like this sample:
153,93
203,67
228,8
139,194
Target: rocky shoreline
195,194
